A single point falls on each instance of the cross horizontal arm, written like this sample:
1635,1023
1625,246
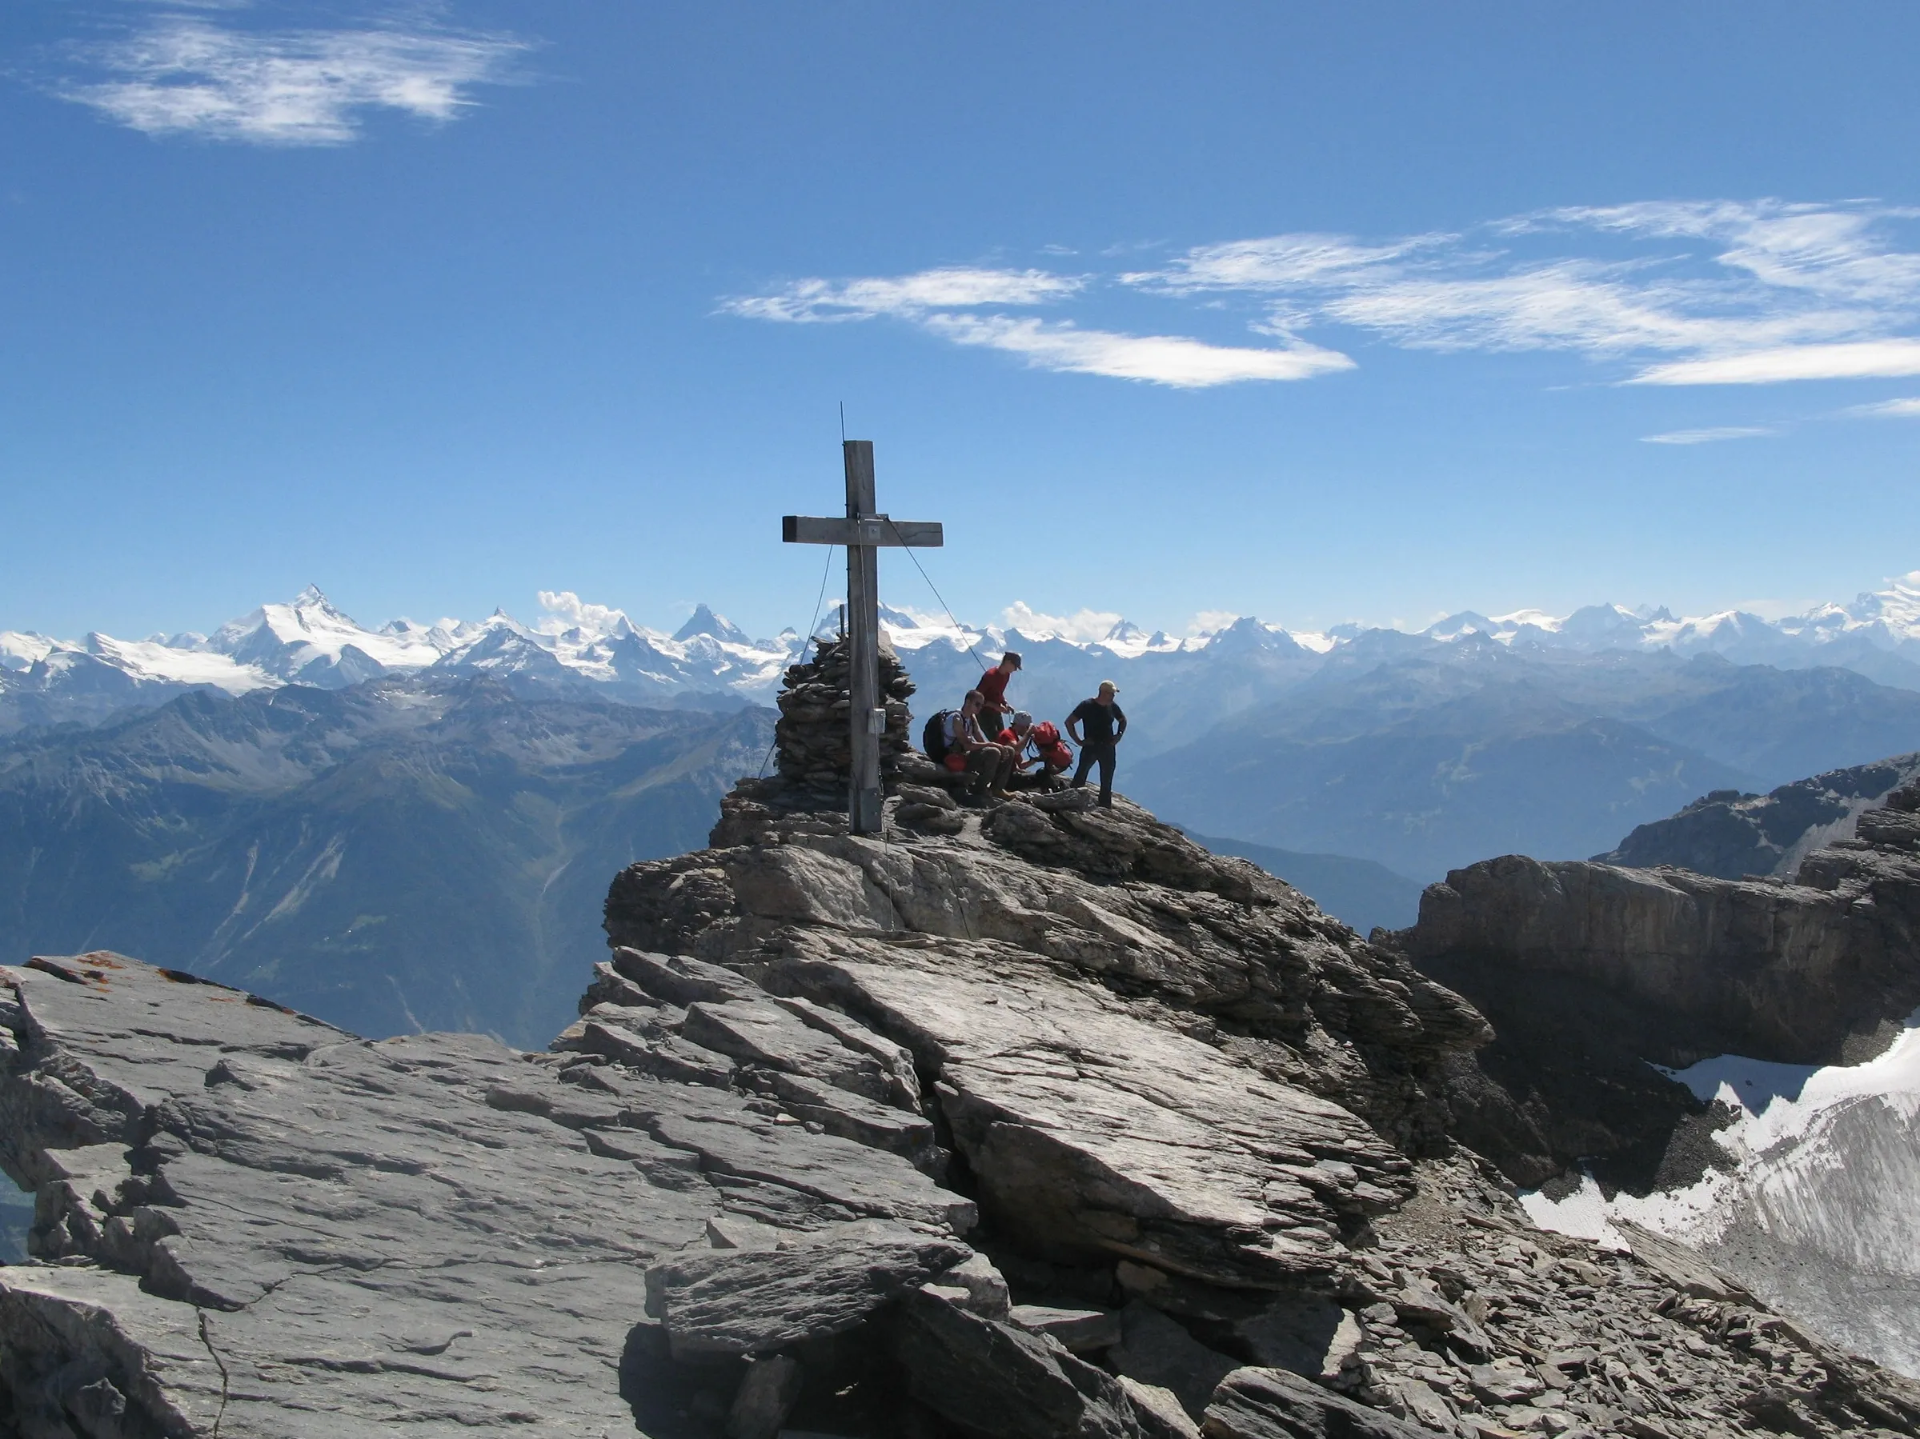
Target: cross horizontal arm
870,530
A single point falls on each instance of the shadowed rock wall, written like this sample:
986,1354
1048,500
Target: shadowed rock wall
1590,973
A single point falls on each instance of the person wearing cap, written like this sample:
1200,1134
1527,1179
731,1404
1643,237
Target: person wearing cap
993,692
1036,745
1097,726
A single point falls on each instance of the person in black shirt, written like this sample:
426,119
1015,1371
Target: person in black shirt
1097,726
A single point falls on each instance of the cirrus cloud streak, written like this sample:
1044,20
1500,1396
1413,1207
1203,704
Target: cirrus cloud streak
183,75
1862,360
1716,292
1902,409
1751,292
1161,359
1709,436
945,302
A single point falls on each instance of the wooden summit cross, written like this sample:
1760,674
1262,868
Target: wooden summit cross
863,531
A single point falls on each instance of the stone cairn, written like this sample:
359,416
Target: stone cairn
815,753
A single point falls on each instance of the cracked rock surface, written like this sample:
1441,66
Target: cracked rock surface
1133,1043
253,1223
1200,1120
1043,1122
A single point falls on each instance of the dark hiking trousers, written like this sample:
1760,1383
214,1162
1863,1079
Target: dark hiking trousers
1102,755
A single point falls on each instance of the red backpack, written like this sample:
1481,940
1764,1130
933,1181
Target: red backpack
1047,742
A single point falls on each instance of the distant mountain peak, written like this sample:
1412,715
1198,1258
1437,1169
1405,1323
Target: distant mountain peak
1456,625
704,621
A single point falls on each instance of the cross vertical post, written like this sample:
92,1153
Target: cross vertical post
867,719
863,531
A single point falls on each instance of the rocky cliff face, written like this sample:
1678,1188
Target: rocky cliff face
1102,911
1732,835
1723,1060
1034,1120
1203,1123
915,1136
1592,974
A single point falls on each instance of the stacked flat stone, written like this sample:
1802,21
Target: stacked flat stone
811,738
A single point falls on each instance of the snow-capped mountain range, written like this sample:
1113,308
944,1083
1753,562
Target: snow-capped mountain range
308,641
709,661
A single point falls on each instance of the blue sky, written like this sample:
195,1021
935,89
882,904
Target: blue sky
1318,313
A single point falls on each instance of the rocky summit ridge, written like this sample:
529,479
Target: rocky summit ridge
1033,1119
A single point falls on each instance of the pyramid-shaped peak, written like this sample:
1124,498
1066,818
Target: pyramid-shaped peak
704,621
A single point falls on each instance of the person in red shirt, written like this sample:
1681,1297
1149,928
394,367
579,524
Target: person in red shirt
1036,745
993,693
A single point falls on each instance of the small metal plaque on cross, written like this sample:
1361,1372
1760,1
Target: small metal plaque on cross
862,531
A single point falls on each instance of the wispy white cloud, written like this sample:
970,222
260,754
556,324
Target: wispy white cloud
1710,436
1830,250
1863,359
1902,409
183,75
1281,262
1753,291
946,303
1667,292
810,301
1161,359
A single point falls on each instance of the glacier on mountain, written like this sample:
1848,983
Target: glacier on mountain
1809,1194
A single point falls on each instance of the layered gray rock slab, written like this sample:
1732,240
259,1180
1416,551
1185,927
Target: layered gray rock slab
848,1115
1159,1411
1155,1350
755,1301
1080,1330
764,1033
1091,1123
1274,1404
994,1379
1122,900
1091,1129
270,1226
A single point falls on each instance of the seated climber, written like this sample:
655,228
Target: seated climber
1037,748
993,692
969,749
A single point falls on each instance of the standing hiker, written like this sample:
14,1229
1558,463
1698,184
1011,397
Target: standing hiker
1100,726
993,693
